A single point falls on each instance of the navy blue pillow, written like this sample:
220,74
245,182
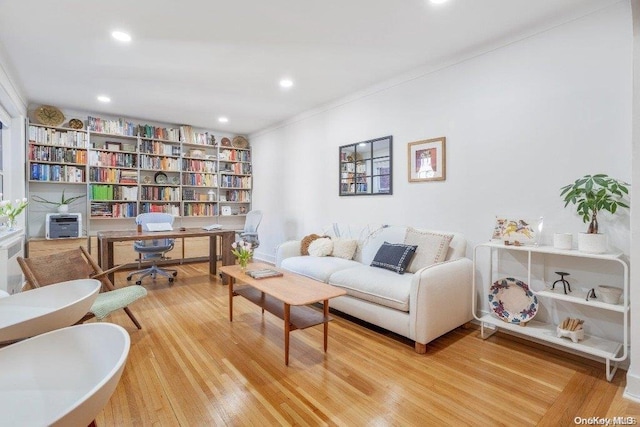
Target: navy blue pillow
394,256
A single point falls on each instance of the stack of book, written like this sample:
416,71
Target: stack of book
263,273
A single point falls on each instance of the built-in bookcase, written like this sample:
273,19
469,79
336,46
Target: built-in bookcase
125,169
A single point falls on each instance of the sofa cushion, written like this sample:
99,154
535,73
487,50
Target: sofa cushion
306,241
394,256
321,247
372,242
319,268
344,248
375,285
432,247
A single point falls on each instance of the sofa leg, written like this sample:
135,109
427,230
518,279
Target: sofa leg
466,325
420,348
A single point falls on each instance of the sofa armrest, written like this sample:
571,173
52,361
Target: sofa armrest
287,249
440,299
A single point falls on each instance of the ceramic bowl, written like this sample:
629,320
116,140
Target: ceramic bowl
609,294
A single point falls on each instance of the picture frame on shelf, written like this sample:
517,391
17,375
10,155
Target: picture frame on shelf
225,210
114,146
427,160
517,231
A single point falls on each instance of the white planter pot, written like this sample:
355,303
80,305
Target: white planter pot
592,243
562,241
63,208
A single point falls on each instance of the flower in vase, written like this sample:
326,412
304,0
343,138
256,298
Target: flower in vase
242,251
12,210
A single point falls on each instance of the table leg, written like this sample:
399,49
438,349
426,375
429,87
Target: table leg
230,284
213,254
227,240
287,329
325,310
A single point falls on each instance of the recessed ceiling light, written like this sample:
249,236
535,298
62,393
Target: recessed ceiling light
103,98
121,36
223,119
286,83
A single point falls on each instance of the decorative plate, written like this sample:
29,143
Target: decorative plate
76,124
225,142
240,142
512,301
160,178
146,180
49,115
175,180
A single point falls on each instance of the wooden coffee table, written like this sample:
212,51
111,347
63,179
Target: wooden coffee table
285,296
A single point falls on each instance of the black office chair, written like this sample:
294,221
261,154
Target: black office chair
153,250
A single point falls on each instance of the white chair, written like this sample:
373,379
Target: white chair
153,250
250,232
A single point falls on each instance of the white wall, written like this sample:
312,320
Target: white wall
520,122
633,377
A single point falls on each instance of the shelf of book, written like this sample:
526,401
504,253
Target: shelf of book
117,161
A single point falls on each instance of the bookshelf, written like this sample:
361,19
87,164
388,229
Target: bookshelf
126,168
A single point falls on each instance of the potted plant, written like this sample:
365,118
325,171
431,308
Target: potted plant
62,205
591,194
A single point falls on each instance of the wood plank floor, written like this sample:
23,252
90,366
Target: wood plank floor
190,366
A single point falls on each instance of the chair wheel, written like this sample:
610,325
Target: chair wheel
170,279
139,282
128,277
175,273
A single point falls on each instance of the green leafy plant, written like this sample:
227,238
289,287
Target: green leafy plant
63,200
593,193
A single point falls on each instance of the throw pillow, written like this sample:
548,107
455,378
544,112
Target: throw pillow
432,247
344,248
394,257
306,241
321,247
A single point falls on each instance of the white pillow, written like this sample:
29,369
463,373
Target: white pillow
321,247
344,248
432,248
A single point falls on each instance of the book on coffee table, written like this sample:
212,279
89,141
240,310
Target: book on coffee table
263,273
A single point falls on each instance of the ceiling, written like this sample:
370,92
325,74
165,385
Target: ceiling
191,61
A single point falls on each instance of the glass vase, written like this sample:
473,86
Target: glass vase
243,264
12,224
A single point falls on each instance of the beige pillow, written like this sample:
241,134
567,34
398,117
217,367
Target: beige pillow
344,248
432,248
321,247
306,241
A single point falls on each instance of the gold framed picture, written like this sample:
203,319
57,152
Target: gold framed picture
427,160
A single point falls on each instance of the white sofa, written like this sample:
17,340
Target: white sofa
420,306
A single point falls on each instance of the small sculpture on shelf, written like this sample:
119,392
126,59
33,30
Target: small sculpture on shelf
571,328
565,283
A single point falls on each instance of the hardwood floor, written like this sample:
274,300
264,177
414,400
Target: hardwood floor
190,366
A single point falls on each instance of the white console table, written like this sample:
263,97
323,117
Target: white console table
611,351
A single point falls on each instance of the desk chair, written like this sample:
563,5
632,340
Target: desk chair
250,232
78,264
152,250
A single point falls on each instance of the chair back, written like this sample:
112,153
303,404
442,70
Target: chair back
250,232
252,221
61,267
153,217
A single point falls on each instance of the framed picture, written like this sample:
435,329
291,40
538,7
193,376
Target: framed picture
426,160
113,146
517,231
226,210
